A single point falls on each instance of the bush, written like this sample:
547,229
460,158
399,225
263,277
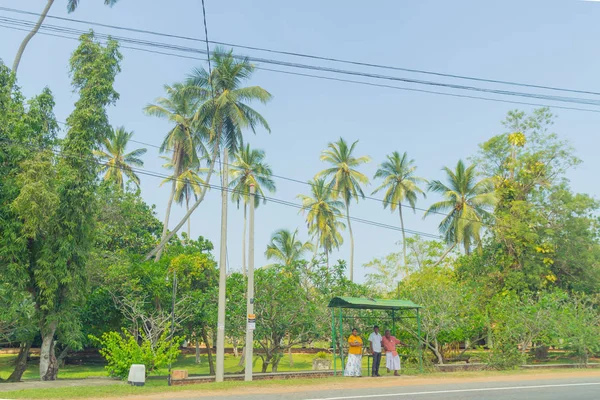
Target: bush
321,355
123,350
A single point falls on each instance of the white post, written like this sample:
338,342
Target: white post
220,371
250,296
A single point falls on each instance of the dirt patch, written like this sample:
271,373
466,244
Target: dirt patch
365,383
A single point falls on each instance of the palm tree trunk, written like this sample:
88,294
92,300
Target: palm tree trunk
444,255
351,241
167,216
403,235
164,241
244,241
30,35
189,221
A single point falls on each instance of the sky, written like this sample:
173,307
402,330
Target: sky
551,43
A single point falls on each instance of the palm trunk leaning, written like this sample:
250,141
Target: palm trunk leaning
168,237
167,216
30,35
244,241
351,241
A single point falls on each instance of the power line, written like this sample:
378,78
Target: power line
274,200
332,78
309,56
574,100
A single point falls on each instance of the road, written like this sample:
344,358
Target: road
580,388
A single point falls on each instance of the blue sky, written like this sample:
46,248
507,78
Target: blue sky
551,43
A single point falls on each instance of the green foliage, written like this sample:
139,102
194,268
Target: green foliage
123,350
321,355
579,327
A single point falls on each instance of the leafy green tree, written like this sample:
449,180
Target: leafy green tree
57,205
71,6
467,202
285,247
183,140
322,216
27,129
346,181
249,168
116,162
224,111
401,184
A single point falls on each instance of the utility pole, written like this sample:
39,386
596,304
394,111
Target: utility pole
250,297
220,371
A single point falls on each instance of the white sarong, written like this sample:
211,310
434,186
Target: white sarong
354,365
392,363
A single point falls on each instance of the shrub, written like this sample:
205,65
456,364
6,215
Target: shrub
321,355
123,350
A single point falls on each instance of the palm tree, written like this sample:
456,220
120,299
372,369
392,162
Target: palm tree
71,6
115,162
189,184
184,139
286,248
224,109
248,169
398,173
467,202
346,181
322,216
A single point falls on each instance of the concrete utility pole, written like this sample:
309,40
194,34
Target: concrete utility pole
220,371
250,297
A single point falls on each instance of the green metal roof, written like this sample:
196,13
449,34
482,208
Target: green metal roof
372,304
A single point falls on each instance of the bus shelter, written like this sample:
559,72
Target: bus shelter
373,312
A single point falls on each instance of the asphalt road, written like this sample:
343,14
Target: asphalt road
543,389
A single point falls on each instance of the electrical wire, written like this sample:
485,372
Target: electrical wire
304,55
456,95
573,100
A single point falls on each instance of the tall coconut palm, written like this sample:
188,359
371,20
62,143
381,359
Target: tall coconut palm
183,140
249,168
227,114
467,201
346,181
401,184
71,6
189,184
286,248
322,216
117,163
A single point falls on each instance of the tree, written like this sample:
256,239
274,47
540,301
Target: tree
189,184
27,128
116,162
467,202
249,169
57,205
224,110
71,6
398,177
346,181
322,216
286,248
183,140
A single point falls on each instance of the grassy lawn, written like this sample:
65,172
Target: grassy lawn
153,386
302,362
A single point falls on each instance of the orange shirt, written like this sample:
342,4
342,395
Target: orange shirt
355,349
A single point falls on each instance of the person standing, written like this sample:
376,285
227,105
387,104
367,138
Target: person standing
354,363
375,345
392,359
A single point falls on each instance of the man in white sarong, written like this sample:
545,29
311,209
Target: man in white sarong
392,359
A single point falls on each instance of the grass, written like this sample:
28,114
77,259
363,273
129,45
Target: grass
122,390
302,362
